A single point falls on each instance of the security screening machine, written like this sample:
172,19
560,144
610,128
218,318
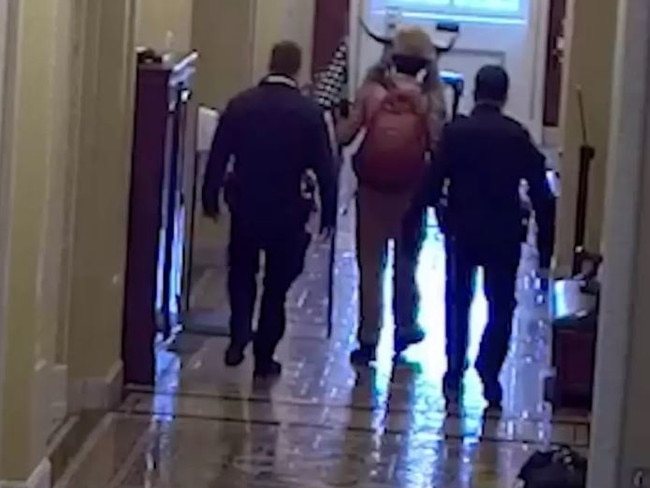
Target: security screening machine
576,304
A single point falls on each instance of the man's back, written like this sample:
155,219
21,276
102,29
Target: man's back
486,156
273,138
274,134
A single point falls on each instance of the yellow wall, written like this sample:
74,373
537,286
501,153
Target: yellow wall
27,141
101,189
66,138
234,40
222,33
590,65
278,20
157,19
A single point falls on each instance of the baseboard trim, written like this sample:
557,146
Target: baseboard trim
81,455
58,395
41,477
98,393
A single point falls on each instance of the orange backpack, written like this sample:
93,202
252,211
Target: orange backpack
392,158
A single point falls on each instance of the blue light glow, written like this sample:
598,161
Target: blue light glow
474,11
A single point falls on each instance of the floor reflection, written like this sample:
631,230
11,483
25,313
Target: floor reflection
325,424
429,356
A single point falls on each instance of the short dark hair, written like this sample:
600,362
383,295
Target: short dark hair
492,84
286,59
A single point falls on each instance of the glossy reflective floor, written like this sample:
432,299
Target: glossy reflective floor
325,424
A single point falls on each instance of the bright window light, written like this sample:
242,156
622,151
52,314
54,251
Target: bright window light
497,9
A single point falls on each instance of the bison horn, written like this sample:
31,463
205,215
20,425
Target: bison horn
386,41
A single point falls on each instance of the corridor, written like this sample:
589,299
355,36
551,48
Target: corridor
325,424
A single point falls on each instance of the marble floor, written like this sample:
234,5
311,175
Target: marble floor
325,424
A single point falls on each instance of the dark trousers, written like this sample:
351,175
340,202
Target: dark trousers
500,271
284,246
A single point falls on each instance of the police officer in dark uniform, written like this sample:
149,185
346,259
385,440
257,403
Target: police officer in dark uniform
273,135
482,160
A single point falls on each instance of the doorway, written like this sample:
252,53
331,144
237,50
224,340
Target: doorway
555,51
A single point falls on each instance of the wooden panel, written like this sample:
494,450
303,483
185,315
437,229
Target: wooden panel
144,224
554,60
330,27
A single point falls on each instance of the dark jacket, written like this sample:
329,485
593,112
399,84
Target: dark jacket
273,135
482,160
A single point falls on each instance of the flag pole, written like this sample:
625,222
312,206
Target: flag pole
331,265
329,91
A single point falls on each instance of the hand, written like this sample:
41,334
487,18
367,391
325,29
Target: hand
214,216
327,232
211,209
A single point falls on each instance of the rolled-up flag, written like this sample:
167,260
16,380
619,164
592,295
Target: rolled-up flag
331,83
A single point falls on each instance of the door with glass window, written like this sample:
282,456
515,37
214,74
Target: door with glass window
509,33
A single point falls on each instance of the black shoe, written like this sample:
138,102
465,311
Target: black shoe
493,394
404,341
493,410
452,389
234,356
267,369
363,355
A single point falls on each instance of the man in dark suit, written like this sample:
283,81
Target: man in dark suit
482,160
273,135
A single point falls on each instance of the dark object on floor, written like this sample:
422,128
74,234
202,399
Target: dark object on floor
576,306
560,467
574,347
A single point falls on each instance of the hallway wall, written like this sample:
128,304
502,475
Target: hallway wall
66,140
222,33
589,64
157,19
234,40
277,20
619,453
100,205
27,158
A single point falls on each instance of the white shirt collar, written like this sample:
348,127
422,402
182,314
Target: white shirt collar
281,80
